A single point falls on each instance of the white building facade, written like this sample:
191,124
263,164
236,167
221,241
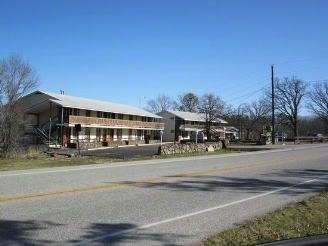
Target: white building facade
55,117
181,125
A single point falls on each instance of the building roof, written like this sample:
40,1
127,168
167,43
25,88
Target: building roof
193,116
91,104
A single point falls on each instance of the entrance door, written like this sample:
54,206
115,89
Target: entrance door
111,134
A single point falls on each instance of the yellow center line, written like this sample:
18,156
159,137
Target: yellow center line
176,177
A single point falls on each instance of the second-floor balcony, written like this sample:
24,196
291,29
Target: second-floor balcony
193,127
114,123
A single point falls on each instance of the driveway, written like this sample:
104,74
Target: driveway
124,152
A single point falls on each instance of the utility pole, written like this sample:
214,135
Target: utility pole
49,123
206,124
272,95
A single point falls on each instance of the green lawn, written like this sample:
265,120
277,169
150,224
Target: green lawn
41,160
309,217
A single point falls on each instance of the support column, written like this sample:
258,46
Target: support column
50,122
61,127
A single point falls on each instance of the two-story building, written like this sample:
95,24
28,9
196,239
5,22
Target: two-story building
55,117
180,125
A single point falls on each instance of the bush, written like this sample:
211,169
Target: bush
34,151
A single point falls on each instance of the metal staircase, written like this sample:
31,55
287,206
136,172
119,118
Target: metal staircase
43,135
43,132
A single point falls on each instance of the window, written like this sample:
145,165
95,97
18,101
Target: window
185,134
99,114
105,115
88,113
67,111
130,117
76,112
144,118
112,116
120,116
119,133
87,133
139,134
74,133
130,133
104,135
98,130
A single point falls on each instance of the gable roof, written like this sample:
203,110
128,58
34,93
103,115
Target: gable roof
193,116
95,105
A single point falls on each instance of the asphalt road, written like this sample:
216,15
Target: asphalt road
157,202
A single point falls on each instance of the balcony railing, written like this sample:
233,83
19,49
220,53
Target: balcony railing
199,127
190,126
114,122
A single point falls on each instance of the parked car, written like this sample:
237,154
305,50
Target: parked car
317,136
281,136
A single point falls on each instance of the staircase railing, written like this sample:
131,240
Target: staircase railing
54,121
43,135
43,131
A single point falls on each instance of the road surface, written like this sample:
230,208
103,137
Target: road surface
156,202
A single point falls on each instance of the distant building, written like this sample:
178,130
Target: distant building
56,115
180,125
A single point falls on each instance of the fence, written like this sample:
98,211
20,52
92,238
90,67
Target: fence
310,139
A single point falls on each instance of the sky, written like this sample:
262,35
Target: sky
129,51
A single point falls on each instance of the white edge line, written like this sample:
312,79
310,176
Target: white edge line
189,214
143,163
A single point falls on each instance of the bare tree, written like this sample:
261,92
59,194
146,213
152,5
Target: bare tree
17,78
213,107
289,93
258,115
318,101
161,103
188,102
311,124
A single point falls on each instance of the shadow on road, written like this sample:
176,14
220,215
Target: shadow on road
305,173
105,233
242,185
23,232
26,233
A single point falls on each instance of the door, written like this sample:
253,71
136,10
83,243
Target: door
111,134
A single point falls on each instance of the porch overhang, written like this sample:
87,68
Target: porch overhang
115,127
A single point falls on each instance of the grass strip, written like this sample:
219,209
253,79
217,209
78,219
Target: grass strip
306,218
44,161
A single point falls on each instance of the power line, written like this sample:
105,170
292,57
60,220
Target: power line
253,85
295,61
318,81
242,76
301,70
248,87
247,95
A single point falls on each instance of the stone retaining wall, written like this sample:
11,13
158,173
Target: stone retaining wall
178,148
